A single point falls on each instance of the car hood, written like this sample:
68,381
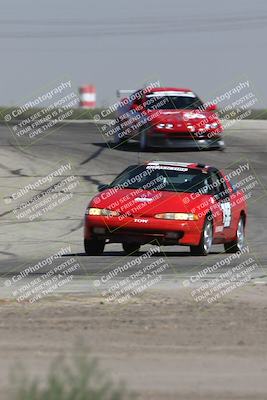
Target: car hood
139,202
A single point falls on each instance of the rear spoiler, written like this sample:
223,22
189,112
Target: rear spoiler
123,92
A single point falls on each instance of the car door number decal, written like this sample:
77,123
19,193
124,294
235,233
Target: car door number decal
227,214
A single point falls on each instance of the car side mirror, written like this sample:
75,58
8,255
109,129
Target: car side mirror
102,187
211,107
135,106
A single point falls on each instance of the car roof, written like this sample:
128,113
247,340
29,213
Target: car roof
178,164
168,89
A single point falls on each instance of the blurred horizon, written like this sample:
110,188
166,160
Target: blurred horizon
205,46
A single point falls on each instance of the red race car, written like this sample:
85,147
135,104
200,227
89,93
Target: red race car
167,117
168,203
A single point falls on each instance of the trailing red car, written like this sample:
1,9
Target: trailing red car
167,203
168,117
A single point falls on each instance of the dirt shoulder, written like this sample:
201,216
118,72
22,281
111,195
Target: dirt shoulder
163,345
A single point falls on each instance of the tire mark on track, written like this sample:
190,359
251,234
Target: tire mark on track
16,172
92,156
80,225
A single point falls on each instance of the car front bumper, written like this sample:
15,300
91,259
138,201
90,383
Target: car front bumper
176,142
165,232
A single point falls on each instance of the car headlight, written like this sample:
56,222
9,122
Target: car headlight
214,125
101,211
167,126
178,216
191,128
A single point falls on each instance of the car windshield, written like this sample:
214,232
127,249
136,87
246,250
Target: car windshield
161,178
172,102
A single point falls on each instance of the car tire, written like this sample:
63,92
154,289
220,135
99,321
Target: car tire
205,244
237,244
130,248
221,149
143,141
94,247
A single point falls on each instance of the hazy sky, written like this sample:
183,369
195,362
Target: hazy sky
205,45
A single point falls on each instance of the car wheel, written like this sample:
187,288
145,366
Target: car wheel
206,240
130,247
143,139
221,148
238,243
94,247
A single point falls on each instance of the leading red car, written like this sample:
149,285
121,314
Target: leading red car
168,117
167,203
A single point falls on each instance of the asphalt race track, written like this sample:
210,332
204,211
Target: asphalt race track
25,242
